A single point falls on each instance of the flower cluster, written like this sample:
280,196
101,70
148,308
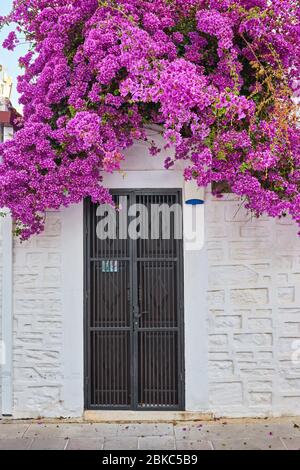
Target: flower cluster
217,76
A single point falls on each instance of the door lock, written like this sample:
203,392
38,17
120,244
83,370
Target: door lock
136,312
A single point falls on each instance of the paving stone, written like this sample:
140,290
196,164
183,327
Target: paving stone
15,444
12,430
260,434
265,430
93,430
193,445
71,430
292,443
49,444
192,432
145,429
156,443
121,443
45,431
85,444
238,431
248,444
285,430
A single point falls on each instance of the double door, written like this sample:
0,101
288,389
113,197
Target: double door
134,308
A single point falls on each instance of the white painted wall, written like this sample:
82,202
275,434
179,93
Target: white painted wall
38,323
7,317
242,309
48,319
6,299
254,312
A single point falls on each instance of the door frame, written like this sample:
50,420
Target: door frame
181,322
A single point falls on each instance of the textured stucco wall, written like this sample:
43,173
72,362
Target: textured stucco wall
254,311
253,316
48,319
38,333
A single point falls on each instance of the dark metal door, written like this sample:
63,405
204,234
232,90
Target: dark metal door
134,313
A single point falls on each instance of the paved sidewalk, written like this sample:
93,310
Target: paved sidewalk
216,435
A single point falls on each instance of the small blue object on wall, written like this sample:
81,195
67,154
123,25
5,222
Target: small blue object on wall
194,202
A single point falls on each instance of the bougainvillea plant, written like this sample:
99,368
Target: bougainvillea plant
218,76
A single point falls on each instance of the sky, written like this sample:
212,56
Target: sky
9,59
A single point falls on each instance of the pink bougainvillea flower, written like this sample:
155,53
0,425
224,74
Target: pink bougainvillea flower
217,76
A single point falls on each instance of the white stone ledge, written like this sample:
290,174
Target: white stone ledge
144,416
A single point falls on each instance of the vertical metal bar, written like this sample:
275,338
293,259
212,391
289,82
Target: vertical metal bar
170,321
133,303
165,311
180,291
129,348
176,337
92,333
102,359
144,362
87,305
116,316
148,356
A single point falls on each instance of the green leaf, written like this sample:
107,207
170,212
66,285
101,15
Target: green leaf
244,166
220,112
221,155
72,111
105,118
229,146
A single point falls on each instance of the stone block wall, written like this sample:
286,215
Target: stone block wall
38,324
254,312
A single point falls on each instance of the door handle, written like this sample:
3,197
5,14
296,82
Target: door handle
136,312
139,315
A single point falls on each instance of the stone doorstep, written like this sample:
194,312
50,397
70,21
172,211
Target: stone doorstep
178,417
119,417
144,416
114,416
